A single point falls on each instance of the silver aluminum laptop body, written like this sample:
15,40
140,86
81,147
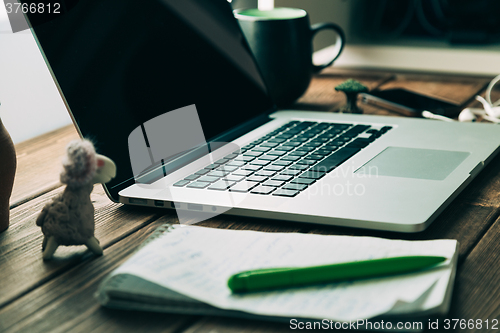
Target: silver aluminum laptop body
117,69
400,182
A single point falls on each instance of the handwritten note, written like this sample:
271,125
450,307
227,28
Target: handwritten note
197,262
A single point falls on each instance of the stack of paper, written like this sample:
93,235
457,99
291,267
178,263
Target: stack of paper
186,268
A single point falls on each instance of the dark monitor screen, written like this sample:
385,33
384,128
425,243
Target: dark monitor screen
121,63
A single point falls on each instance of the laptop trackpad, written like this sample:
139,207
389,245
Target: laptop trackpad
414,163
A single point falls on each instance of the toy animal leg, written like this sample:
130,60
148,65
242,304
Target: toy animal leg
44,243
93,245
50,248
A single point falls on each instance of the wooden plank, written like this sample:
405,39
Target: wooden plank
39,164
477,288
463,222
322,96
66,303
484,190
20,245
255,224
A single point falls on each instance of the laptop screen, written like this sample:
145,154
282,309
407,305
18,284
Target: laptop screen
121,63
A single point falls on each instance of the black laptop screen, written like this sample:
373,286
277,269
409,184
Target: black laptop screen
122,63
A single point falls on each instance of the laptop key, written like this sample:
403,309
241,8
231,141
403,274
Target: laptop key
292,143
253,153
192,177
244,186
258,179
299,153
263,190
198,185
252,167
312,175
218,173
260,162
285,148
269,157
283,163
236,163
247,158
202,172
295,187
303,181
325,151
221,185
274,167
286,193
181,183
358,143
234,178
262,149
292,158
277,152
265,173
352,132
299,167
231,156
274,183
208,179
212,166
385,129
283,178
291,172
221,161
269,144
242,172
334,160
306,162
228,168
315,157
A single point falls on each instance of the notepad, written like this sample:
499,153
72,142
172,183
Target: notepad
184,269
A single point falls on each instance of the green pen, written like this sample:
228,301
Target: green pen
277,278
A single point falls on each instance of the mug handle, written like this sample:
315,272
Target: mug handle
332,26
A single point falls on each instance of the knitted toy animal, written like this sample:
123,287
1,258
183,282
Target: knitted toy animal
69,218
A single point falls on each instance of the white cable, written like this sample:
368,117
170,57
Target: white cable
488,91
430,115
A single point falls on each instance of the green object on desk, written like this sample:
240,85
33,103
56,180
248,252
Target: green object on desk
278,278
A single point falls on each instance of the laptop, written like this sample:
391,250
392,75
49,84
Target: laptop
170,91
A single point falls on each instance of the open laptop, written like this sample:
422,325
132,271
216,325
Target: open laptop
169,90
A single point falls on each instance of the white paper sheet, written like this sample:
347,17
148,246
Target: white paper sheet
197,262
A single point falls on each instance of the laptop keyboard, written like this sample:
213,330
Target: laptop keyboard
287,160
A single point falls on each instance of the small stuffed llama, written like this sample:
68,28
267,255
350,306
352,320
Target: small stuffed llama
69,218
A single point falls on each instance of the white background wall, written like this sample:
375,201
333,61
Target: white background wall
30,102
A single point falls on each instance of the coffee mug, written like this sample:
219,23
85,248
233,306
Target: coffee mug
281,42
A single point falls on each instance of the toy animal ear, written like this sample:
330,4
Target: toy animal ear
100,163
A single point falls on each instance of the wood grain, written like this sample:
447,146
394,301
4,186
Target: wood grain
66,302
20,246
477,288
322,96
39,164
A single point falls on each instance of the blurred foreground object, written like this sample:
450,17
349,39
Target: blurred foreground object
69,218
7,173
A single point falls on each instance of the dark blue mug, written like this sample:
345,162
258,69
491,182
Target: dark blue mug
281,42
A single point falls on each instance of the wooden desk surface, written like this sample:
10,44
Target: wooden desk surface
57,296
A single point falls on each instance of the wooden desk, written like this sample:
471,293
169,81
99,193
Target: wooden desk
57,296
